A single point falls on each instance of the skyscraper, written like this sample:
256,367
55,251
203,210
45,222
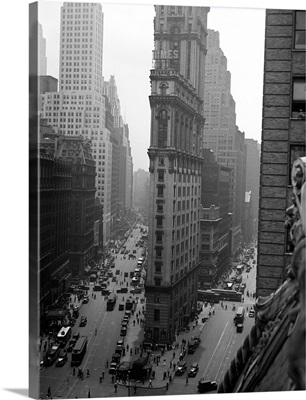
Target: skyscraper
78,109
176,100
221,133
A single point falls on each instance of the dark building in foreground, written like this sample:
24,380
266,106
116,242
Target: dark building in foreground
283,139
177,121
54,223
82,245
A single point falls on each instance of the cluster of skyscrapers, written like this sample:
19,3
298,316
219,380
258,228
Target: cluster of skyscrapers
200,194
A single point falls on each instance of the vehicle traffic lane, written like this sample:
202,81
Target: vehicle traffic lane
218,347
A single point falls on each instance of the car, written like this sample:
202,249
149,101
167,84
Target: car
72,321
83,287
83,321
62,359
75,336
127,314
71,345
120,342
134,251
193,369
181,368
126,274
112,266
114,279
117,272
124,324
105,292
252,313
121,307
243,285
124,290
205,386
123,331
97,288
239,328
85,300
113,368
197,339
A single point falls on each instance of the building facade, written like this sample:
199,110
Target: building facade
175,153
252,181
221,133
283,140
54,212
82,230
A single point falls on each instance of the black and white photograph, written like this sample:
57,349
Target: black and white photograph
166,156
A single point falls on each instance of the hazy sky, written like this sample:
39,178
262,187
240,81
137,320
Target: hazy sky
127,54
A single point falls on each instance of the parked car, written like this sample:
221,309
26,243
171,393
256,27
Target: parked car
252,313
85,300
193,369
205,386
71,345
117,272
121,307
239,328
62,359
75,336
123,331
181,368
113,368
97,288
83,321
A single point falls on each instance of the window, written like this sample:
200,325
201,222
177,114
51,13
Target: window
159,237
158,267
160,191
161,174
298,98
160,207
157,281
156,315
162,129
300,30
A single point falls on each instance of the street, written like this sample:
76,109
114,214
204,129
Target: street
219,342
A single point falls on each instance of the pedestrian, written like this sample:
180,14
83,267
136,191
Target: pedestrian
150,383
167,385
170,378
135,388
187,381
164,362
115,386
88,374
103,374
170,364
49,391
164,375
88,394
100,378
73,371
173,355
68,383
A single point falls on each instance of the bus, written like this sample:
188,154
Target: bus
111,301
239,317
64,335
229,295
79,351
208,295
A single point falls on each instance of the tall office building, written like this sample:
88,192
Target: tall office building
283,140
42,58
221,133
78,109
175,153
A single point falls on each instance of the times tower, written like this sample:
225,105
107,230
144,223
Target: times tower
177,122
